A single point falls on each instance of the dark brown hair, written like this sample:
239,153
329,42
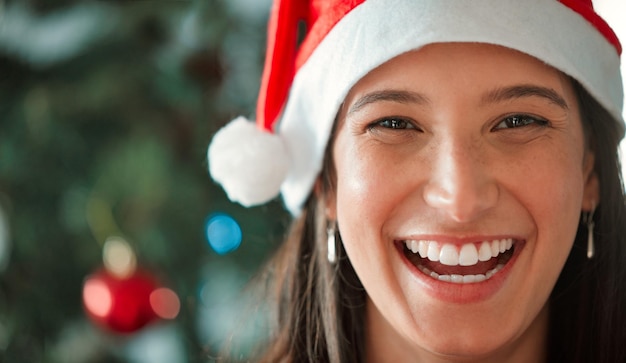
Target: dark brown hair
588,303
319,307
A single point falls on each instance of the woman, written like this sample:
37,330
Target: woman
453,171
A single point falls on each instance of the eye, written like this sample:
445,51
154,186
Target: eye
394,130
394,123
520,120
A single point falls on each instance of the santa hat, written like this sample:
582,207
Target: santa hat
304,85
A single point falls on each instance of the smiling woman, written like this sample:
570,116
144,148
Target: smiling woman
463,182
504,174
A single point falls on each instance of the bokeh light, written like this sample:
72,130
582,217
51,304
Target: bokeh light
165,303
97,297
119,258
223,233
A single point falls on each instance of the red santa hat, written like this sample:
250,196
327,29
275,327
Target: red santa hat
303,85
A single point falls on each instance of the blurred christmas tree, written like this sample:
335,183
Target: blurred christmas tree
106,110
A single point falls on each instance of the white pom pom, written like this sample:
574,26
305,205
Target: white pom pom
249,163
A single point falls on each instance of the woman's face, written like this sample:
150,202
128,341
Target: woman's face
461,174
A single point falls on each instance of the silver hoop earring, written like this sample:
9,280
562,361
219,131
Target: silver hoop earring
590,226
331,245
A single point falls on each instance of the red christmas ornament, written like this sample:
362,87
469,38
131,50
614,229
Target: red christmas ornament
125,304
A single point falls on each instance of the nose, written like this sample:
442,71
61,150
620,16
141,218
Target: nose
461,183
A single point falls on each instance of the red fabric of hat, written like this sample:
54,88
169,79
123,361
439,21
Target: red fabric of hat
283,58
585,8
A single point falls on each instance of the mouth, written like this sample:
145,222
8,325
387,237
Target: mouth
469,263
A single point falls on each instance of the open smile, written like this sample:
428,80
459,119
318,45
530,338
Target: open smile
461,272
468,263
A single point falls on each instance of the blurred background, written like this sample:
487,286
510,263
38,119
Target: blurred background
106,111
115,245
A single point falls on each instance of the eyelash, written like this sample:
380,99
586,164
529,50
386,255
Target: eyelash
393,123
509,122
520,120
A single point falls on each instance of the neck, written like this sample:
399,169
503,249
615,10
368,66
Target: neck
385,345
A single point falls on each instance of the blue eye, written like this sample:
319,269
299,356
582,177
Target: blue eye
516,121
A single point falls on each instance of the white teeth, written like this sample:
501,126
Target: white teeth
462,279
468,279
433,251
449,255
480,278
468,254
423,249
484,253
495,248
457,279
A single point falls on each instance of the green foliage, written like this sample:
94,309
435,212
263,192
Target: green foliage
106,110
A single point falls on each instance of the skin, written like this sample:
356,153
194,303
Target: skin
456,169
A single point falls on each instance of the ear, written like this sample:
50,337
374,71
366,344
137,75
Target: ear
591,191
330,205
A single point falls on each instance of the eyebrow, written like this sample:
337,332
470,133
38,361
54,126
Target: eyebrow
495,96
389,95
523,91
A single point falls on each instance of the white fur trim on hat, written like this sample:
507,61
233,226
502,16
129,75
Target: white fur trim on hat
377,31
249,163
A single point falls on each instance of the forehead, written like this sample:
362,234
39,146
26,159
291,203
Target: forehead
471,66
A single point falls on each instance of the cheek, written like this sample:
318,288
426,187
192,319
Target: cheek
549,190
368,192
553,183
365,186
364,198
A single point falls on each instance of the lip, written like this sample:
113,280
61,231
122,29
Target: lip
461,293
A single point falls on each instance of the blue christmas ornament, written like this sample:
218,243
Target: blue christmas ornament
223,233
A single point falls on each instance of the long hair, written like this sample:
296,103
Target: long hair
319,307
588,303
